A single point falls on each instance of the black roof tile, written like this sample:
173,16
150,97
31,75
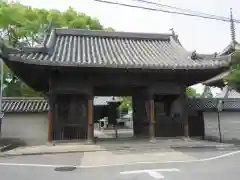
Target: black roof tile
88,48
219,79
202,104
24,105
38,104
209,104
228,92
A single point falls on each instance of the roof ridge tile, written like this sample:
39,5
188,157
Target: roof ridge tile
115,34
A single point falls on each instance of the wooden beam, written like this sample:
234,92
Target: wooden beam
165,88
90,133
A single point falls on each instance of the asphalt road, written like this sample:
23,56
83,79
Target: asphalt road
210,164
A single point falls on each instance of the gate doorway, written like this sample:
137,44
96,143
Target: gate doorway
113,117
72,116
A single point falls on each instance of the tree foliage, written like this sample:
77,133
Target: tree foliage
26,26
233,79
191,92
126,103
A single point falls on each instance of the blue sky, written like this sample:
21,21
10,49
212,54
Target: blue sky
202,35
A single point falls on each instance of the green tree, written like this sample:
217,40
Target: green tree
233,79
26,26
126,103
191,92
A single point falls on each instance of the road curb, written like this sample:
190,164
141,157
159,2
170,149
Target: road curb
8,147
65,152
202,147
43,153
117,149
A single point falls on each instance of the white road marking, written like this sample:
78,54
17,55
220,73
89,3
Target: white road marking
152,172
123,164
155,174
220,156
33,165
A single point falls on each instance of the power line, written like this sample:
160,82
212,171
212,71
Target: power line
219,18
180,9
202,15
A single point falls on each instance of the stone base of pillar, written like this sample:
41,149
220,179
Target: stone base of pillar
186,138
116,131
90,141
153,140
51,143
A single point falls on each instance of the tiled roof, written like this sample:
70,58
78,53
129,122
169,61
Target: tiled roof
230,94
202,104
219,79
38,105
211,104
231,47
88,48
24,105
28,104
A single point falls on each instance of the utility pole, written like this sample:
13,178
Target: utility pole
219,109
1,95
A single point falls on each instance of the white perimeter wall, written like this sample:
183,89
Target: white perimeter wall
229,123
32,128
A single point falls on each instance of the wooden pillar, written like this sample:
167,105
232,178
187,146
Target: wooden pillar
90,134
150,113
53,127
140,103
151,120
184,107
50,138
136,103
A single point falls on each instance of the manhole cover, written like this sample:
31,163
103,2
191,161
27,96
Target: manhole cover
65,168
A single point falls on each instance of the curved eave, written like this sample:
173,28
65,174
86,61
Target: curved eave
217,81
35,76
229,49
218,84
225,63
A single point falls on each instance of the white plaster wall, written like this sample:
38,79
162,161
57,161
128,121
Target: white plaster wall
229,124
211,125
32,128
